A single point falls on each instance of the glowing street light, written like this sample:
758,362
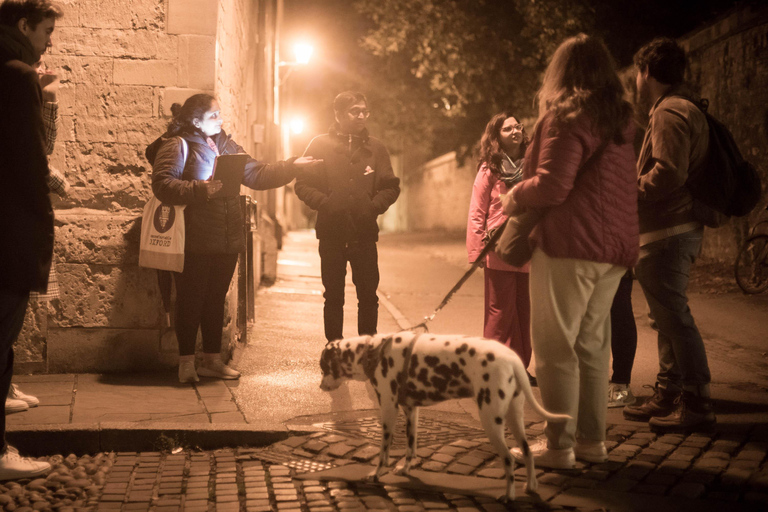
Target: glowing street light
302,52
297,125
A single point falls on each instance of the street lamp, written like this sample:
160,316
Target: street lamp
302,52
297,125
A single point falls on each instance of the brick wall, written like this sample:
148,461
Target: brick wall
122,64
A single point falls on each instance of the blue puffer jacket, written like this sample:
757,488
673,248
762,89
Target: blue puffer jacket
213,226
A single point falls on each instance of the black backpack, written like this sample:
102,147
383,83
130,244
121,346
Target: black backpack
725,184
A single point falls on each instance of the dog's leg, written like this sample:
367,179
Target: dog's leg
517,426
388,421
411,427
492,418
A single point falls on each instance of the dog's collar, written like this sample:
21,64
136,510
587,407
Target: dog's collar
403,377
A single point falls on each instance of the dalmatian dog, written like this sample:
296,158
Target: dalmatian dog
412,370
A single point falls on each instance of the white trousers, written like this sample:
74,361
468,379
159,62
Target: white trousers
571,337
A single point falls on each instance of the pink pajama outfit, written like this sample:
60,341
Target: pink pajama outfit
507,303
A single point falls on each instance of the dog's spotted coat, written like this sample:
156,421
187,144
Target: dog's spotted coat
411,370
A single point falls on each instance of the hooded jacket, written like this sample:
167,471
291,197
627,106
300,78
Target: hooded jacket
593,218
354,185
212,226
26,216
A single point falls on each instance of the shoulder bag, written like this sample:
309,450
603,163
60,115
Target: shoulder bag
162,232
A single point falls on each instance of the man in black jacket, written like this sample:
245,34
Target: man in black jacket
355,185
26,217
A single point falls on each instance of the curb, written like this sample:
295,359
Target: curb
42,440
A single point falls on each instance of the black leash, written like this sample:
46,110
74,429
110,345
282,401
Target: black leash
488,248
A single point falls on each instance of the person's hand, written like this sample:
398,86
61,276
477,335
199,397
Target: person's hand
306,162
509,205
212,188
49,82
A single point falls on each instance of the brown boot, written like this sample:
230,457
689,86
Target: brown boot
692,412
662,403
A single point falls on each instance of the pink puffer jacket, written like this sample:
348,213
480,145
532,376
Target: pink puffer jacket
595,219
485,213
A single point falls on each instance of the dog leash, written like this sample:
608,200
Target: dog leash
488,247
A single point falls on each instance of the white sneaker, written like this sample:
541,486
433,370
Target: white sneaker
187,372
14,405
544,457
591,451
218,370
13,466
619,395
17,394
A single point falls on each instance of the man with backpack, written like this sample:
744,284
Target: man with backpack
676,142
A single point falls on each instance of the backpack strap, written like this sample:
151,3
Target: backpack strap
184,149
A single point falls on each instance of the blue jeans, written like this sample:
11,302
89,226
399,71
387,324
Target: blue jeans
663,273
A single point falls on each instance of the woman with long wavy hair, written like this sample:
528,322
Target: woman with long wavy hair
182,166
507,306
579,168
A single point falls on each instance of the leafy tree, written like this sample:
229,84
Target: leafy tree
455,63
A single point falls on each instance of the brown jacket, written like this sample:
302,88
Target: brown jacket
676,140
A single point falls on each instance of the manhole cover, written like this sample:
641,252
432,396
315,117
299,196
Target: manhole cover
286,459
430,432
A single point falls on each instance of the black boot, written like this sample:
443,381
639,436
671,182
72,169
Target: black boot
662,403
692,412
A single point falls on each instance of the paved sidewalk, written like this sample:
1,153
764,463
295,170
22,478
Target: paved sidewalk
146,442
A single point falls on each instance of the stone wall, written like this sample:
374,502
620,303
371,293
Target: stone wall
437,197
122,64
729,65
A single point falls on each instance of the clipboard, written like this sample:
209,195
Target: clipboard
230,169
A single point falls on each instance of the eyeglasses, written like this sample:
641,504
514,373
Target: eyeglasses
355,112
518,128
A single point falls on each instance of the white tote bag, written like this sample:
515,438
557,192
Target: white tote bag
162,233
162,236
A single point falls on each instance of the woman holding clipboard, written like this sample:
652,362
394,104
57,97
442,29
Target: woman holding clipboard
182,166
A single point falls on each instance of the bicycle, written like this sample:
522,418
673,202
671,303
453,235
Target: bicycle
751,268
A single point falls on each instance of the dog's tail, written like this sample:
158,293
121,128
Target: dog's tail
525,385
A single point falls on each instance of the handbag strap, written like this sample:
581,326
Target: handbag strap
592,158
184,148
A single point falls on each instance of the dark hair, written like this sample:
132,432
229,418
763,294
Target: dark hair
664,59
581,78
346,99
184,115
34,11
490,146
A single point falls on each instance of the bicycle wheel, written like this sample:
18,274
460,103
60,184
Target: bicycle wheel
752,265
761,228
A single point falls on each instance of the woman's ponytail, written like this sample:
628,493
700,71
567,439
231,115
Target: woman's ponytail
184,115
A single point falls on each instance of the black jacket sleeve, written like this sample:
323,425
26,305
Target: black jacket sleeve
387,184
313,189
260,175
167,170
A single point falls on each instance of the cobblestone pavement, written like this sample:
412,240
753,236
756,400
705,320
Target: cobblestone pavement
669,472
